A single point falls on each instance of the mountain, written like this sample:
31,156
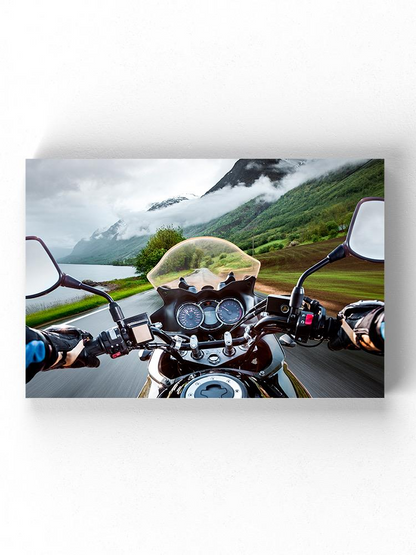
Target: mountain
109,233
301,211
167,202
103,250
104,245
60,252
307,212
246,172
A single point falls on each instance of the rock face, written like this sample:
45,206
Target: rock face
109,233
166,203
246,172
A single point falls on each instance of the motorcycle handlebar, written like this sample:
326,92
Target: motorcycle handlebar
95,347
303,326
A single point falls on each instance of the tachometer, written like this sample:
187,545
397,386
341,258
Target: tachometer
229,311
189,316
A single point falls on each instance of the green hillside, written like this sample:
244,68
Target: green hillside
233,221
104,251
336,285
311,212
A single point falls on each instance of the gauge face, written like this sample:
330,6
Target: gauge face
189,316
230,311
211,321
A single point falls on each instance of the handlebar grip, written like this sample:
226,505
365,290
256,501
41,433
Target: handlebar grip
332,327
95,347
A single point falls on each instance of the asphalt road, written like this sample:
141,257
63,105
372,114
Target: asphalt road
324,373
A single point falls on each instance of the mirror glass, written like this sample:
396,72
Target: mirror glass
41,272
366,234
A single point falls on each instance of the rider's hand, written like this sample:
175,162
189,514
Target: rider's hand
67,344
362,327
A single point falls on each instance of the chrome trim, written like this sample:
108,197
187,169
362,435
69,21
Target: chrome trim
234,384
179,309
153,367
219,321
229,299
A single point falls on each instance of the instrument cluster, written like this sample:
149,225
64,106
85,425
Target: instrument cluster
209,315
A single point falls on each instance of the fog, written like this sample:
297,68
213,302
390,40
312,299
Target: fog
218,203
67,200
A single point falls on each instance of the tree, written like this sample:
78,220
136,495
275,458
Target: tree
332,228
164,238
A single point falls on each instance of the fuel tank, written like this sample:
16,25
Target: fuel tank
274,381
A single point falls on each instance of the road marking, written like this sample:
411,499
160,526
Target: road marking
100,310
85,316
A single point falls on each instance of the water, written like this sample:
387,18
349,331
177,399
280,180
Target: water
94,272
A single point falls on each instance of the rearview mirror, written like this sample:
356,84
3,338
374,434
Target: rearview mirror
43,274
365,238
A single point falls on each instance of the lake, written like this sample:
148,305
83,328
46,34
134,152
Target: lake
94,272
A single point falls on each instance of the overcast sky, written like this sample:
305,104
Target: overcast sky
67,200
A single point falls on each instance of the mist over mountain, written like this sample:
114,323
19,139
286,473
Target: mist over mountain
246,172
104,245
238,199
129,234
168,202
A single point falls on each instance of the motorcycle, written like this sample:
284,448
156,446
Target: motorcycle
215,336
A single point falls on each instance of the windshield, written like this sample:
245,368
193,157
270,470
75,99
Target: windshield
202,261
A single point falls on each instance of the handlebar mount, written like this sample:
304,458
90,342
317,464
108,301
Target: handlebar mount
308,322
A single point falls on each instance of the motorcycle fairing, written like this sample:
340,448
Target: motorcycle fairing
242,290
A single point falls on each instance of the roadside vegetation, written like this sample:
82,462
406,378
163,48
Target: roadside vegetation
336,285
164,238
117,288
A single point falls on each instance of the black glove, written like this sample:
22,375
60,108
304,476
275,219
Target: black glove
362,327
67,348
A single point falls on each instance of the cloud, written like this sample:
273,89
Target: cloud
67,200
218,203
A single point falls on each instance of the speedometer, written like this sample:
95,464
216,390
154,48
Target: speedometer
229,311
189,316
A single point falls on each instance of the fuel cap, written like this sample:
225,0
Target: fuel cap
214,386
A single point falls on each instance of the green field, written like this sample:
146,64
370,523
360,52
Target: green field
335,285
118,289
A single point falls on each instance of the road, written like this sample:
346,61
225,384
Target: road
324,373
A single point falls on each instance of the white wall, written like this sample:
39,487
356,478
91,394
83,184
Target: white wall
209,79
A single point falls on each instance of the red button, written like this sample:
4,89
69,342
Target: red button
308,319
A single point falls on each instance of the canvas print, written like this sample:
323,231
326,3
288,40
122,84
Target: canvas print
202,279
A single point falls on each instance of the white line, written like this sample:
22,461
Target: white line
85,316
100,310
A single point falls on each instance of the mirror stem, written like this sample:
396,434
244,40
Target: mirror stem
72,283
116,312
298,293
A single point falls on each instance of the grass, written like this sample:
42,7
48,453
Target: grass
335,285
232,261
118,289
273,245
268,245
